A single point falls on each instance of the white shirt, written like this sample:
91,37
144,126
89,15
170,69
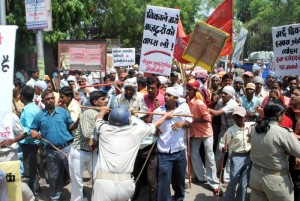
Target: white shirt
119,145
18,129
170,141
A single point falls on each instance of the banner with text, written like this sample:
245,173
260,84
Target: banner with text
36,14
159,40
123,56
286,45
82,55
239,45
205,45
7,58
13,179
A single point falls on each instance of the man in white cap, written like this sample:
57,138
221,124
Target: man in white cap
39,87
171,147
131,98
224,108
259,90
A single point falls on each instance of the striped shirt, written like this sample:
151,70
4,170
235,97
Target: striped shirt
86,129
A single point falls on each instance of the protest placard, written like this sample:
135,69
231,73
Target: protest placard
239,45
13,179
159,40
205,45
82,55
7,58
123,56
286,45
36,14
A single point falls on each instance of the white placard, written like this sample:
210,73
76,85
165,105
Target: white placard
123,56
7,58
159,40
36,14
239,45
286,45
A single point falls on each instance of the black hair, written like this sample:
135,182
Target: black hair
17,82
227,76
45,93
141,81
34,70
107,76
291,78
272,111
77,72
67,91
151,80
27,92
95,95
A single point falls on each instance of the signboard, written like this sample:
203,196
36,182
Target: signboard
123,56
205,45
7,58
82,55
49,16
13,179
239,45
159,40
286,45
36,14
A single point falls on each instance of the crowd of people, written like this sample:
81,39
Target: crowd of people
129,128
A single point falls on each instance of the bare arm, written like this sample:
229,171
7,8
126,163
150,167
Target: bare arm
216,112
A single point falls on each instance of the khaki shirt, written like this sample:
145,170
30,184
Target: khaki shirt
271,150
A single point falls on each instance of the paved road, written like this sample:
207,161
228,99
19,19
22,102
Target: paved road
199,192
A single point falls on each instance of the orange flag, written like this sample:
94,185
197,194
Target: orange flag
222,18
180,44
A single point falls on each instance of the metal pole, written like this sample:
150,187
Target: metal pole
2,12
40,54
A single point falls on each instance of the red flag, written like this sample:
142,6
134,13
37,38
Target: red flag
180,44
222,18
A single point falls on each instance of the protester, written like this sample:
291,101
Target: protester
115,163
236,139
54,125
269,177
34,77
201,131
80,154
250,102
224,108
29,145
17,103
171,147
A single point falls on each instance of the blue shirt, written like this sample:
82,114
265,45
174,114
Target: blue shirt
27,116
250,106
53,127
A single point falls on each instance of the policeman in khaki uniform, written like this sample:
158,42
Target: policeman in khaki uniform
271,144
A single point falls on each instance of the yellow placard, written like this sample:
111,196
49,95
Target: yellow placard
205,45
13,178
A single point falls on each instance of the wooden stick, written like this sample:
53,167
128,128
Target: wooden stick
140,112
98,85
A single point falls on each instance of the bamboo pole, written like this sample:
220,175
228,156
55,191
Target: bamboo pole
140,112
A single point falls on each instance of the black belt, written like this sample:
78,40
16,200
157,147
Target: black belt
60,146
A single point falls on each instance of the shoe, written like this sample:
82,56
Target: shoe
186,185
218,192
197,181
